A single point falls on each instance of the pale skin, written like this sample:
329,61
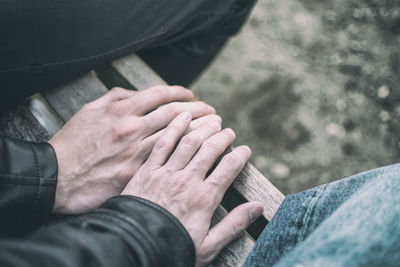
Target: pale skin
154,145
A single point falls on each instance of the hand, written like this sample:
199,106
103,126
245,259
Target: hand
100,148
178,183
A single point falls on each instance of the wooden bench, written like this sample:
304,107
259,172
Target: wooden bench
42,115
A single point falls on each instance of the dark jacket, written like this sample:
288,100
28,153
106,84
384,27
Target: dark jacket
124,231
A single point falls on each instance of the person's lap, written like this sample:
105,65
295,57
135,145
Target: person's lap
350,222
45,43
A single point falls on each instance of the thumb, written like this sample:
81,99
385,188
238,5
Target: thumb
230,228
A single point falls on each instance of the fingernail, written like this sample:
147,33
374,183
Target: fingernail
218,118
255,212
248,149
215,125
230,131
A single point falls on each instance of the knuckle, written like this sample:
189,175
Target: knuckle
213,184
126,128
178,186
161,144
142,123
232,162
172,109
113,109
189,140
202,160
169,172
137,125
212,146
116,91
203,200
174,128
161,92
120,131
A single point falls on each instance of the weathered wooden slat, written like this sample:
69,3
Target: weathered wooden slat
254,186
237,251
44,114
18,122
250,183
68,99
137,72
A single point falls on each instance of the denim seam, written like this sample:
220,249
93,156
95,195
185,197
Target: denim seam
310,208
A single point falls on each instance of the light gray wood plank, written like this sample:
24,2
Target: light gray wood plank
250,182
254,186
137,72
45,115
18,122
68,99
236,253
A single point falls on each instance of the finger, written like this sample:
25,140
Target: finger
227,170
194,124
202,121
115,94
160,118
150,99
147,145
167,141
190,143
231,227
209,151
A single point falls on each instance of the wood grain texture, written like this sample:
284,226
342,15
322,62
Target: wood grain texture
18,122
45,115
250,183
137,72
68,99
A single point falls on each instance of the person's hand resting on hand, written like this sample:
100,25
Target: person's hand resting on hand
175,178
99,150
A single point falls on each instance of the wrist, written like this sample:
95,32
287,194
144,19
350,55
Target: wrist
61,197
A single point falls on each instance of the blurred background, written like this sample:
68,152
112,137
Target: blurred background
312,87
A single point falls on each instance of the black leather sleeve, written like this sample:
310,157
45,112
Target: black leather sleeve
124,231
28,179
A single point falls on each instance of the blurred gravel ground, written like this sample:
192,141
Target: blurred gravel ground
312,88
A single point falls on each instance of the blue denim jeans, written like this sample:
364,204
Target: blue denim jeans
351,222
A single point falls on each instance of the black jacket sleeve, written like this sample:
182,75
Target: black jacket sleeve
28,179
124,231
